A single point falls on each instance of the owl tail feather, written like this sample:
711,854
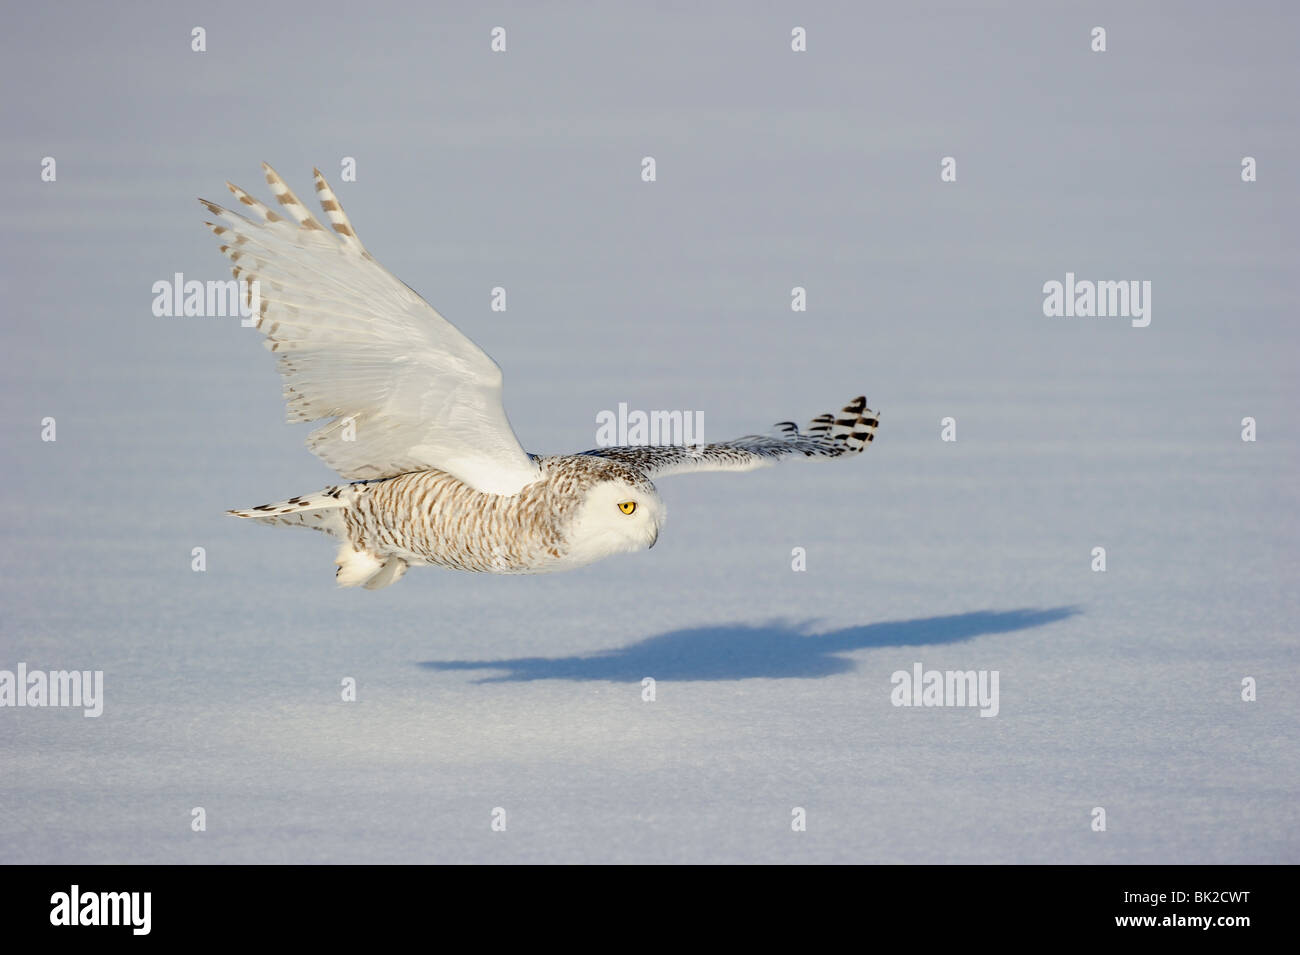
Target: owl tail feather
322,511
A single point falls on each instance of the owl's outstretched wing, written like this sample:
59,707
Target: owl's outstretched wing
405,389
827,436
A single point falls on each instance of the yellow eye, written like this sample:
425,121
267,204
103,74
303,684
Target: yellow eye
627,507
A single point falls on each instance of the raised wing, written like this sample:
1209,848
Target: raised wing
405,389
827,436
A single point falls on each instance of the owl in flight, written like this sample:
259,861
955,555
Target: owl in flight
417,426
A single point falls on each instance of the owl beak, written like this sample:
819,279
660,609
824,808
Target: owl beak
654,540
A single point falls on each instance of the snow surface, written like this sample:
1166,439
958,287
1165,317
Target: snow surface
1118,690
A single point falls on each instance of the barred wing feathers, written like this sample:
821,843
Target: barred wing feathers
405,389
826,436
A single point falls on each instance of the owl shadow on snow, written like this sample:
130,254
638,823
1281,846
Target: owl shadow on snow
748,651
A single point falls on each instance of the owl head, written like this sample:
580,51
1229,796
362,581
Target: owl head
615,516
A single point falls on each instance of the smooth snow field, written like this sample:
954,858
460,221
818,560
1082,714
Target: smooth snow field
505,719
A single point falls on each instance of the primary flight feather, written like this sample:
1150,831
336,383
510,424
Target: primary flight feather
414,419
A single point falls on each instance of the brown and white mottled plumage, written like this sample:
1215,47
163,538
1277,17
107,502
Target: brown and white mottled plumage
414,418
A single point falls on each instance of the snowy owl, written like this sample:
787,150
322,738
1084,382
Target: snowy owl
416,423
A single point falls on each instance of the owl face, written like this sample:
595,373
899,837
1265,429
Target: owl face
615,518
